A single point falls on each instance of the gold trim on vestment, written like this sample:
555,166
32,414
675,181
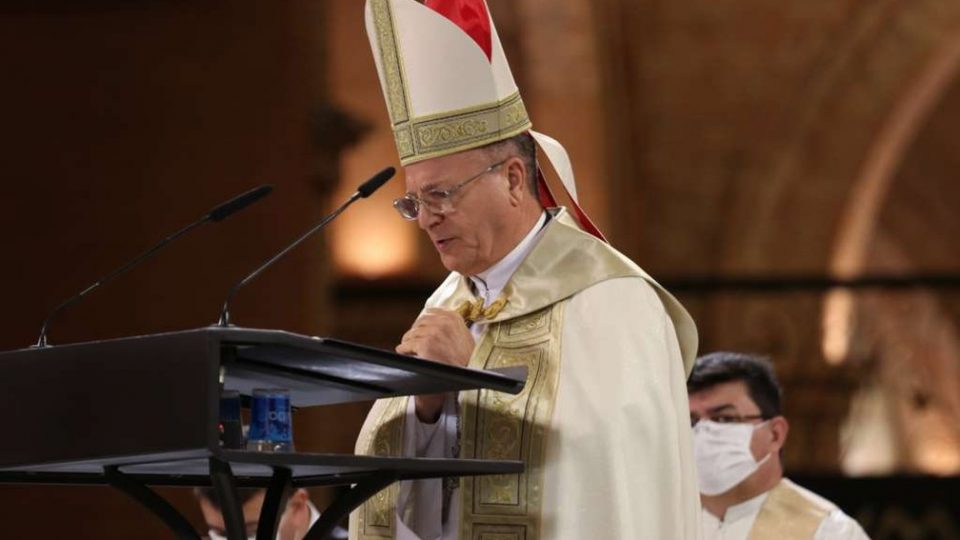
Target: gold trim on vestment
375,520
789,514
473,311
526,331
565,261
502,426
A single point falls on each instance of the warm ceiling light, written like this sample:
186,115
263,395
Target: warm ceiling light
374,242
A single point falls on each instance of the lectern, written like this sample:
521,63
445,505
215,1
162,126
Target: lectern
143,411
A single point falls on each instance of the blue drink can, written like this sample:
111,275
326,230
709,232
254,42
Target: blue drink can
231,426
271,424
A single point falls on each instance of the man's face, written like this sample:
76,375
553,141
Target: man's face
469,238
251,515
294,523
730,401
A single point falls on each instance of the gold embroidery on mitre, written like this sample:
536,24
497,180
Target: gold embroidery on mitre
464,129
390,61
502,426
375,519
473,310
404,139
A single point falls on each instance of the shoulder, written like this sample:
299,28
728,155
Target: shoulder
808,496
626,308
447,289
629,293
836,525
839,526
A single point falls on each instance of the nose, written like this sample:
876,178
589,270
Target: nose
427,218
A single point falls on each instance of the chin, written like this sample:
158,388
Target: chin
453,264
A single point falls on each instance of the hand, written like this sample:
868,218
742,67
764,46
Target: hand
439,335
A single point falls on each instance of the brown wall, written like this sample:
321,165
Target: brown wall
121,123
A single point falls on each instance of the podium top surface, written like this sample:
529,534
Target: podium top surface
316,370
127,399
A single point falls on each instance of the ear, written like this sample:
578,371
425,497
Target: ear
296,518
516,179
779,427
298,498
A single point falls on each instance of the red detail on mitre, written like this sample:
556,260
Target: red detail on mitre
549,201
471,16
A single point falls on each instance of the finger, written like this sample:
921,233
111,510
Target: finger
444,314
407,347
440,311
444,320
410,334
428,317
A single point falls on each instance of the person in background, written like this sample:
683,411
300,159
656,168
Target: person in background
738,433
299,515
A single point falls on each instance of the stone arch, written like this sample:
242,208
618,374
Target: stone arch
865,104
816,208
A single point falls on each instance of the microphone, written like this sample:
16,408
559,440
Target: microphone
219,213
365,190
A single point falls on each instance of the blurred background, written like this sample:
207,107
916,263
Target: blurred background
788,169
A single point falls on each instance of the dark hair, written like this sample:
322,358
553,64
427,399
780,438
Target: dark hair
525,148
210,494
754,371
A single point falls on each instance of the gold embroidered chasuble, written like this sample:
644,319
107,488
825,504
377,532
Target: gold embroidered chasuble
526,331
790,514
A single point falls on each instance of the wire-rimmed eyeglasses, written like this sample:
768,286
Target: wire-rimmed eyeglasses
438,201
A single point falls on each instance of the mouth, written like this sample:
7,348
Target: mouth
443,244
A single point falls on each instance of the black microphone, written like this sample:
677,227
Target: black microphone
219,213
365,190
238,203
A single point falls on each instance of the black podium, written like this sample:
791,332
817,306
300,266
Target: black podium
144,411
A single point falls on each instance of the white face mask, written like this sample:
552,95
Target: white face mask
723,456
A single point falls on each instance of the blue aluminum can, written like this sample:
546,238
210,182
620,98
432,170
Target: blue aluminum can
231,425
271,425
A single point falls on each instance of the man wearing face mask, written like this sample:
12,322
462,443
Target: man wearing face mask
738,432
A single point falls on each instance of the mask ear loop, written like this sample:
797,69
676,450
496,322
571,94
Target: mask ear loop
765,458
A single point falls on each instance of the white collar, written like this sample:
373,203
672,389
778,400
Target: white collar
314,514
746,509
491,281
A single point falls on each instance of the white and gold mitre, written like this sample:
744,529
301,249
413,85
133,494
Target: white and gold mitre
445,78
448,86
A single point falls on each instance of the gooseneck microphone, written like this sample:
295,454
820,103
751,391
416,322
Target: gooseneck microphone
219,213
365,190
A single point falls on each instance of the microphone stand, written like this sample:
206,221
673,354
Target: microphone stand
364,191
217,214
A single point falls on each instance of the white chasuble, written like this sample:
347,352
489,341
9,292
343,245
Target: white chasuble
791,512
602,423
786,512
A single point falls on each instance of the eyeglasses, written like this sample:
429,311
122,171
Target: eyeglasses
727,419
438,201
